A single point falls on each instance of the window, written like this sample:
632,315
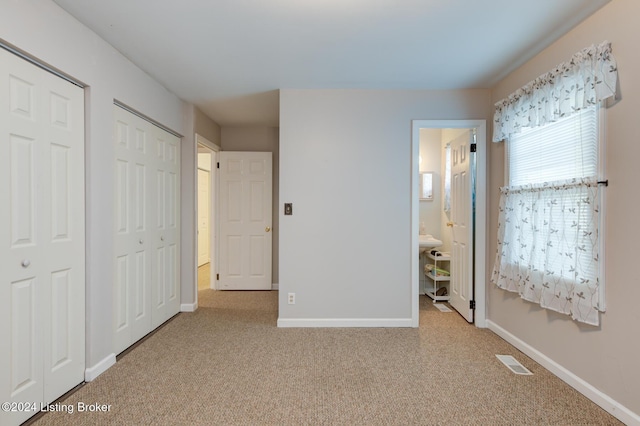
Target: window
549,231
552,233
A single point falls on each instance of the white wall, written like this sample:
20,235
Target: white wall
45,31
345,164
207,128
605,357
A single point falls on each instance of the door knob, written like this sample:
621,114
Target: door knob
161,238
25,263
141,241
450,224
267,229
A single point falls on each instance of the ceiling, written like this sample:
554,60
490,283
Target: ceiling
230,57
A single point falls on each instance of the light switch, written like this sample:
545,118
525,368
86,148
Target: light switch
288,209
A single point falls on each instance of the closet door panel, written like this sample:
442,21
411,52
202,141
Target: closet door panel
41,235
132,319
146,208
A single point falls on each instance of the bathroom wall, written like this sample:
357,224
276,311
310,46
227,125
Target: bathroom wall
431,162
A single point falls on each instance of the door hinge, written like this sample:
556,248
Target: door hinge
472,304
473,147
218,165
217,277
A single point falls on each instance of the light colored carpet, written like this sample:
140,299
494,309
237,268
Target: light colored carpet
228,364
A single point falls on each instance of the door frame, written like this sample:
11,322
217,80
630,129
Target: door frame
480,226
202,142
208,181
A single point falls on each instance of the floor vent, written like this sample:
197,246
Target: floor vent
442,307
514,365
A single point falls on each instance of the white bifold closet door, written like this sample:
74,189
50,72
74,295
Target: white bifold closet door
42,258
147,227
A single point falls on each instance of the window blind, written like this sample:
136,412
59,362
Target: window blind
565,150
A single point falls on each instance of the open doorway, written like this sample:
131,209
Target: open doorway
206,195
443,218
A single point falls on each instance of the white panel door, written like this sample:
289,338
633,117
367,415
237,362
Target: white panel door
41,236
204,240
462,218
165,292
245,220
146,222
133,212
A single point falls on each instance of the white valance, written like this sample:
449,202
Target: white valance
588,78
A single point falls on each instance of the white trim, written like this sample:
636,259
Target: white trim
481,226
480,316
344,322
213,213
188,307
275,286
91,373
610,405
414,216
602,175
206,142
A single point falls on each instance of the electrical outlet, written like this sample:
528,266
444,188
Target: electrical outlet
292,298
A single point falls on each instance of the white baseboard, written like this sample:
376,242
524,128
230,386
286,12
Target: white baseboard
610,405
188,307
344,322
91,373
275,286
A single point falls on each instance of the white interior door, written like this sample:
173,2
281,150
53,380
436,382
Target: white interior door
165,292
132,291
462,233
204,201
146,227
41,236
245,220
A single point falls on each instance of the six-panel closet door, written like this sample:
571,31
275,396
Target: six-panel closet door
42,258
146,291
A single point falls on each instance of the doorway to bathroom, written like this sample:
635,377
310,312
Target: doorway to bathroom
452,154
206,183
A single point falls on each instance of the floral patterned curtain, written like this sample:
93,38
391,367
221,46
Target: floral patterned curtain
548,246
588,78
548,238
